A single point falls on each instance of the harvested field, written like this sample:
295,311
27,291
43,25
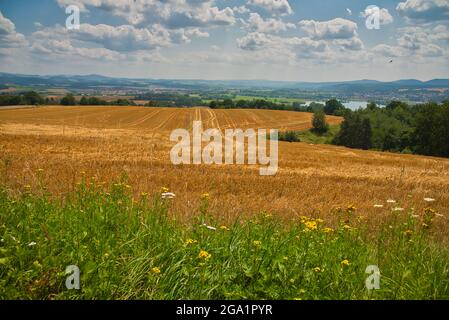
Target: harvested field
102,143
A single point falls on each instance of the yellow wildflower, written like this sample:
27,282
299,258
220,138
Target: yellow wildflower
155,270
205,196
191,241
317,269
350,208
224,228
328,230
311,225
164,190
345,262
204,255
257,243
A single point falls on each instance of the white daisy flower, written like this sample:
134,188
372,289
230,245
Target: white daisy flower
209,227
168,195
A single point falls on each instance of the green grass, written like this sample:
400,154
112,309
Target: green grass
309,136
120,243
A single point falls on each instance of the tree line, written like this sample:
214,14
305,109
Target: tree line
27,98
170,99
253,104
399,127
70,100
34,98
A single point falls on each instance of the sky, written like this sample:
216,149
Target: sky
287,40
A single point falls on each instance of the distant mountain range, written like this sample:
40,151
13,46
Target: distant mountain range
97,81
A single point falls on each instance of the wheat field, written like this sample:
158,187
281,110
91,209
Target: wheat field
59,146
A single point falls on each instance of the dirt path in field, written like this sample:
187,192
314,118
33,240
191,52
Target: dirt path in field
213,119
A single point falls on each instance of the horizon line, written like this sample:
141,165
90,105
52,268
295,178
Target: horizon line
200,79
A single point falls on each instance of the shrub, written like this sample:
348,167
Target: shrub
289,136
319,123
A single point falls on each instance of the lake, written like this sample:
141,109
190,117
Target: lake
353,105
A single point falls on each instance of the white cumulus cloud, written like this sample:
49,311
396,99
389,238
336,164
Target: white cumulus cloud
424,10
257,23
171,13
281,7
333,29
9,37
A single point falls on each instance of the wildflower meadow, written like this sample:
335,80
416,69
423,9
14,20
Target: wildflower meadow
132,248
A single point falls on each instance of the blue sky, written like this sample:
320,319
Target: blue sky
306,40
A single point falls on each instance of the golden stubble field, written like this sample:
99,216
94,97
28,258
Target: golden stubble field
103,143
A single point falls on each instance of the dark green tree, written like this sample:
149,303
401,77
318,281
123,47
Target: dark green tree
33,98
334,107
432,130
372,106
68,100
213,104
355,132
319,124
366,134
228,104
84,101
396,104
